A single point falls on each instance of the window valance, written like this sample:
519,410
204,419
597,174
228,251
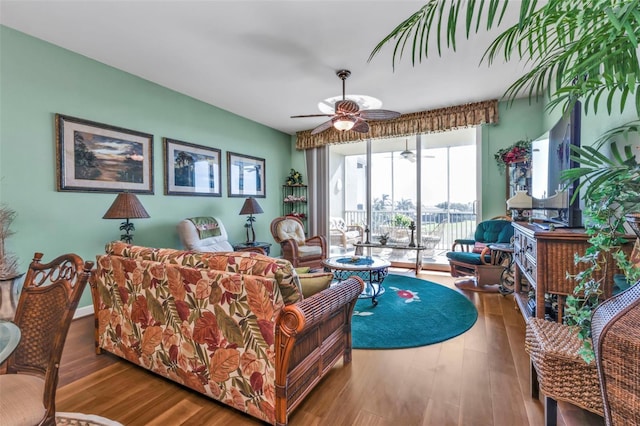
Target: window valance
431,121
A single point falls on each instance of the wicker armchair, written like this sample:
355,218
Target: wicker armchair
288,231
47,303
616,342
558,370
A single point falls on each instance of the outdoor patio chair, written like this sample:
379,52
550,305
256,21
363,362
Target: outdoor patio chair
343,235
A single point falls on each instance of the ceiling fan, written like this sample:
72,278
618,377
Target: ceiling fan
347,114
407,154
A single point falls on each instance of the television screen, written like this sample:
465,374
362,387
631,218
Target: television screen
550,156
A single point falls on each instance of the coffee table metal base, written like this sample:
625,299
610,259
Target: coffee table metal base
373,280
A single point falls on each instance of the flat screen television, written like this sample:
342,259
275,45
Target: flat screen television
550,156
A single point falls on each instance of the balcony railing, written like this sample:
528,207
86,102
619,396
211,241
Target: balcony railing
448,226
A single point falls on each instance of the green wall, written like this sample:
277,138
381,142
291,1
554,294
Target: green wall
519,120
38,79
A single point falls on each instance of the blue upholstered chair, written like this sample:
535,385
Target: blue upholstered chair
473,258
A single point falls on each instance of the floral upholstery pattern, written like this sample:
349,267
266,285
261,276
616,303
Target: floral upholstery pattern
218,323
248,263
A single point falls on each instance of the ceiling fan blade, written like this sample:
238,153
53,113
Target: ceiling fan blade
321,128
361,126
312,115
379,114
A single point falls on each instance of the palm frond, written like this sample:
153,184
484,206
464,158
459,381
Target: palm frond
577,49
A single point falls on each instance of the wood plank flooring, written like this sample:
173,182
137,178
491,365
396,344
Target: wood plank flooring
478,378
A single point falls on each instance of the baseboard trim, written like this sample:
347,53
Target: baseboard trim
85,311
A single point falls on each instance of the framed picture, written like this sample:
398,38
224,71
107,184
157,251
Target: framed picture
245,176
191,169
95,157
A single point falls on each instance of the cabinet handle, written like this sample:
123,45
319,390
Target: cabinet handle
529,247
529,270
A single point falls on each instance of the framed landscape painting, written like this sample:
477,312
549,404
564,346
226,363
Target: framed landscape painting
191,169
245,176
95,157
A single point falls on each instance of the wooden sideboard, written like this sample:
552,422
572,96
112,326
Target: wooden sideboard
544,258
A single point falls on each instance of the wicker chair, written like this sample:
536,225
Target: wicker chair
46,306
558,370
616,342
288,231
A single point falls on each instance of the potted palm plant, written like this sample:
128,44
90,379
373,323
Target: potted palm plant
568,44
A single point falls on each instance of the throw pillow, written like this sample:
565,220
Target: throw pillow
288,282
315,283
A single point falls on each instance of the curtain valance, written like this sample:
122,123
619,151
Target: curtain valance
431,121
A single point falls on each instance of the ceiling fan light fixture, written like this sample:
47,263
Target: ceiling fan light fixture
344,123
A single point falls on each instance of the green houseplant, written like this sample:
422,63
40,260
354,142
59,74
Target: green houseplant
611,193
577,51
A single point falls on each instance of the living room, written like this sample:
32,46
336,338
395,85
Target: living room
40,79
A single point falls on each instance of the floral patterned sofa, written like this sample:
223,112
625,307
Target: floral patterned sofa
233,326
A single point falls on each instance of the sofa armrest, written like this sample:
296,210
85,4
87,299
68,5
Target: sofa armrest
322,325
314,309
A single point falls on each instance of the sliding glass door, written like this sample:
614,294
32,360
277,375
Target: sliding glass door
387,186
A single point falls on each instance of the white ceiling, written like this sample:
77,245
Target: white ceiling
265,60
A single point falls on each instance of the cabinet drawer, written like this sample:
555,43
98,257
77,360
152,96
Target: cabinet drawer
527,266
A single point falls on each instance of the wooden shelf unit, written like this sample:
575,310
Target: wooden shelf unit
543,258
297,204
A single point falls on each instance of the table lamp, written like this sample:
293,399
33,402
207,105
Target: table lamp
126,206
250,207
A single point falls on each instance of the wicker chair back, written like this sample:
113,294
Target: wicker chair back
45,309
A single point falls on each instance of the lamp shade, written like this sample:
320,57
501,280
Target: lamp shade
126,206
251,206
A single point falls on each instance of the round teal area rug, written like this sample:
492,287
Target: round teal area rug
411,312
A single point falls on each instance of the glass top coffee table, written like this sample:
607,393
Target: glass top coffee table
371,269
9,339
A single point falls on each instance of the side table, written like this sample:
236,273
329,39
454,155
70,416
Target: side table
260,244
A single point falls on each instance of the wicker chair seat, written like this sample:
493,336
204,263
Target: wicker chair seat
562,373
17,405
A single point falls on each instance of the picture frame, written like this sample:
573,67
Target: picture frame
96,157
246,176
191,169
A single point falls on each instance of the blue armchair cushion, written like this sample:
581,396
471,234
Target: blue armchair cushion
466,257
487,232
494,231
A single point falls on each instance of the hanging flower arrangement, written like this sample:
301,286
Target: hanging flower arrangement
294,178
519,151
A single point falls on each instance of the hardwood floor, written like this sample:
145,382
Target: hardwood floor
478,378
